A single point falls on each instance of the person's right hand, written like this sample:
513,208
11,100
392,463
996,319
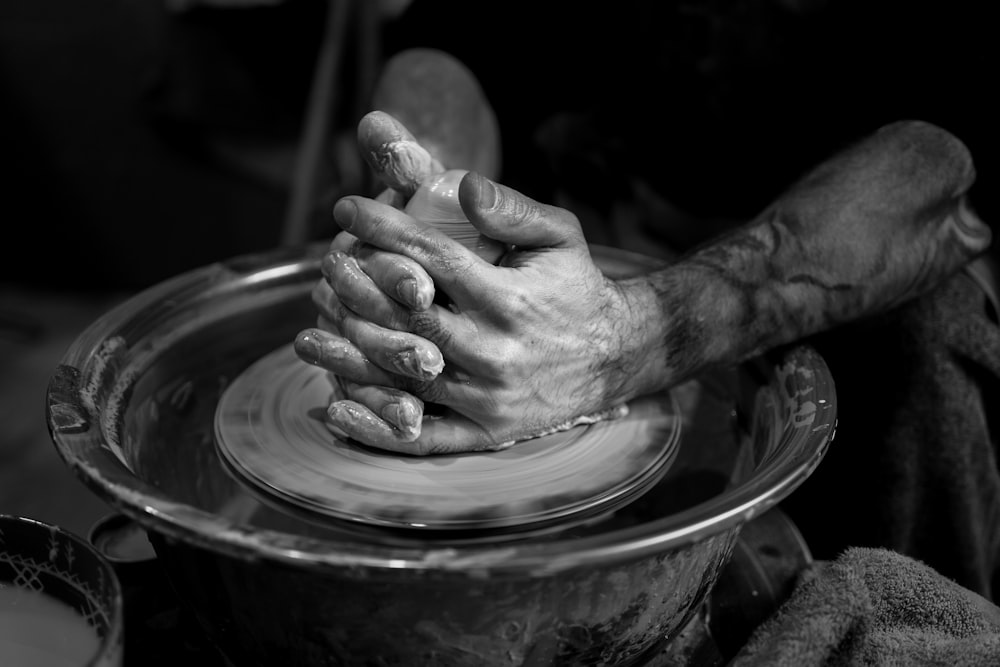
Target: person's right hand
545,337
539,342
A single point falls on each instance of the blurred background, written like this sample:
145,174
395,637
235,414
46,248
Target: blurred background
144,138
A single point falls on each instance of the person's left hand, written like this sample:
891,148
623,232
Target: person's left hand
532,345
539,342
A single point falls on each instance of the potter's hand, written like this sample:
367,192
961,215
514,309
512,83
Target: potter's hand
530,345
547,337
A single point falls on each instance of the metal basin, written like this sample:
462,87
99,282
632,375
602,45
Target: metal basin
130,410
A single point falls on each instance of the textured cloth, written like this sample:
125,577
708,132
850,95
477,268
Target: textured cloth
903,514
877,607
913,465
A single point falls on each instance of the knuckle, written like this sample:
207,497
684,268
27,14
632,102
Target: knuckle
517,207
378,223
339,314
497,364
426,325
513,303
441,254
505,402
426,390
396,317
565,216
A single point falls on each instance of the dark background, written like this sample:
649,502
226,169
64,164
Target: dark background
142,140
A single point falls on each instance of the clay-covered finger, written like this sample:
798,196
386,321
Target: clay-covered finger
359,422
339,356
408,354
450,333
400,409
452,434
372,275
353,288
455,269
413,355
394,154
399,352
327,305
362,424
397,275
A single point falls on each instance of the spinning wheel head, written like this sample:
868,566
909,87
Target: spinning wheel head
271,431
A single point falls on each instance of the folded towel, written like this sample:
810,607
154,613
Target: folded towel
913,466
876,607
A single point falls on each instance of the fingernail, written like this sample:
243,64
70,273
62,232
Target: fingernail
431,363
487,192
307,347
338,412
419,363
423,299
409,415
407,291
401,416
345,212
329,263
408,363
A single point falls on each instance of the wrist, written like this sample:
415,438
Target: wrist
642,340
683,320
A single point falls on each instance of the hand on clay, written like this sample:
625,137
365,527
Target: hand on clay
545,337
531,345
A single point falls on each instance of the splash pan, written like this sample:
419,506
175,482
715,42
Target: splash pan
131,410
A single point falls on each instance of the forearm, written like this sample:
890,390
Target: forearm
877,225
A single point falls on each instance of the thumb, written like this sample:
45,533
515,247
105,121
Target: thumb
393,153
506,215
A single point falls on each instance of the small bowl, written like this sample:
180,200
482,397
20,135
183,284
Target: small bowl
57,588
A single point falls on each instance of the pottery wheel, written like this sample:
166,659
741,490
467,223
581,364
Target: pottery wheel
271,431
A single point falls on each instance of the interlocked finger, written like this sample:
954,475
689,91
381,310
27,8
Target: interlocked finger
400,409
452,434
339,356
397,276
398,352
347,284
455,269
392,350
